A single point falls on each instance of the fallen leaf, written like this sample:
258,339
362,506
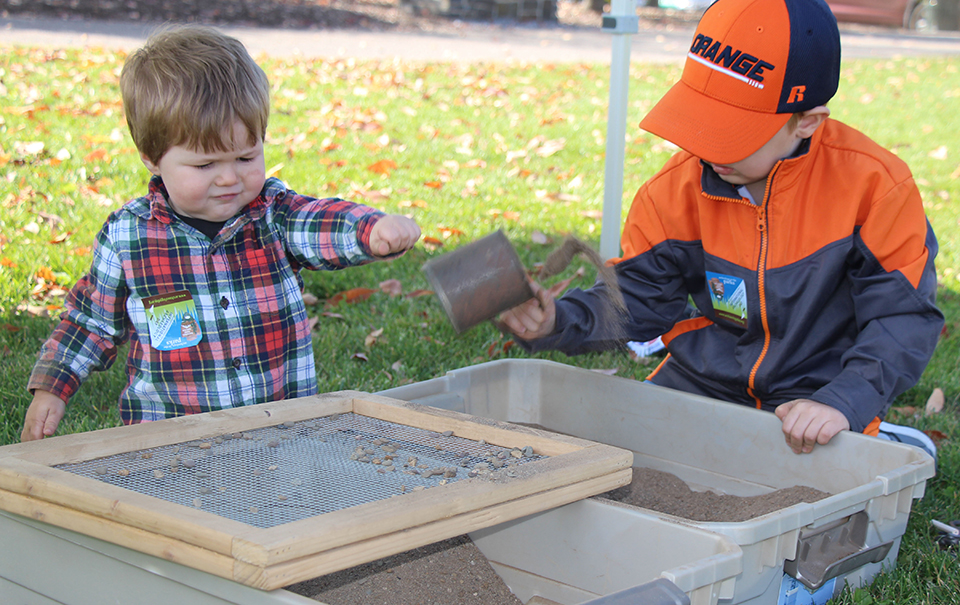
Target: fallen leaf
372,337
419,292
6,262
539,238
934,403
551,147
359,357
905,410
310,299
331,315
412,204
350,296
28,148
558,288
97,154
312,322
432,241
433,184
382,167
936,435
610,372
11,328
448,232
45,273
393,287
940,153
395,366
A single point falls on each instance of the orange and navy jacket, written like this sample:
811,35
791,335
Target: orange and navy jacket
825,289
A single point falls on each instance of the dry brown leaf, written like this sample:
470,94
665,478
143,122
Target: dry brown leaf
419,292
310,299
350,296
359,357
393,287
412,204
372,337
382,167
934,403
610,372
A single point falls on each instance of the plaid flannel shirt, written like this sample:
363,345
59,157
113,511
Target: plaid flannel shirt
245,287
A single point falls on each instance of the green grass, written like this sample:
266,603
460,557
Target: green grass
476,148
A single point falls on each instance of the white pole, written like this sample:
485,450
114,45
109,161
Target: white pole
622,22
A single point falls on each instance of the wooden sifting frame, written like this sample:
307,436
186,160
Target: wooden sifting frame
270,558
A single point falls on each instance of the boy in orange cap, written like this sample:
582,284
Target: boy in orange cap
802,244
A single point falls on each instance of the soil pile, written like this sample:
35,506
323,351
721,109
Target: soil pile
450,572
667,493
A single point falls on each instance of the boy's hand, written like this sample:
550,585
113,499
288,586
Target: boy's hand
43,416
807,423
534,318
392,234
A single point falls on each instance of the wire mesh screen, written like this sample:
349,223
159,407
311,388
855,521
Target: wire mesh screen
275,475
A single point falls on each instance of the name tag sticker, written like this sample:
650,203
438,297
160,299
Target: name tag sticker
729,297
173,321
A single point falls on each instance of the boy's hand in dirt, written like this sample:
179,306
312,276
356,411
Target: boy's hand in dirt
393,234
807,423
534,318
43,416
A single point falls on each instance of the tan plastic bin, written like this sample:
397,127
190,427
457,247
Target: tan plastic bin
725,447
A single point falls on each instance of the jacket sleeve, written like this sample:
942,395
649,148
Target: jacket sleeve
588,321
323,234
93,324
894,285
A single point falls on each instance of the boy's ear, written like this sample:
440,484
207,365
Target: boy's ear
153,168
811,120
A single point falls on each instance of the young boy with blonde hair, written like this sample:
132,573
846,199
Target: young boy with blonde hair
802,243
202,274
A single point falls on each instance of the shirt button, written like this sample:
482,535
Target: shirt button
237,363
224,303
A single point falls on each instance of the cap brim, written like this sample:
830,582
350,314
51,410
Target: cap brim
712,130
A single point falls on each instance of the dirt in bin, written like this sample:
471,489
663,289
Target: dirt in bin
451,572
666,493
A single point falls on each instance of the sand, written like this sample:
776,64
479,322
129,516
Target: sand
666,493
455,572
451,572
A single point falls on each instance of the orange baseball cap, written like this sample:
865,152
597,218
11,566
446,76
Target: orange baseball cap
752,64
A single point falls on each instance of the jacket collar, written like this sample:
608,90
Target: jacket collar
714,186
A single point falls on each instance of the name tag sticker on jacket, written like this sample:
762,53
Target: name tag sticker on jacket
173,321
729,297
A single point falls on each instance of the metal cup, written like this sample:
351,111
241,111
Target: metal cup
479,281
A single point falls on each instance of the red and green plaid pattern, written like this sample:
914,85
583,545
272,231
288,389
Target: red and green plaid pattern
246,287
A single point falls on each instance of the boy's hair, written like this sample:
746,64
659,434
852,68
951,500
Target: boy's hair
751,65
187,86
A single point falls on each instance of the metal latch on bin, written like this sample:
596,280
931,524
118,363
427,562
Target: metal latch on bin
830,551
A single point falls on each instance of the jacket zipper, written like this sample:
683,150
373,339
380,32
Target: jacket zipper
761,281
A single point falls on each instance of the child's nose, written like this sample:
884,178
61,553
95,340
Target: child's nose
227,175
